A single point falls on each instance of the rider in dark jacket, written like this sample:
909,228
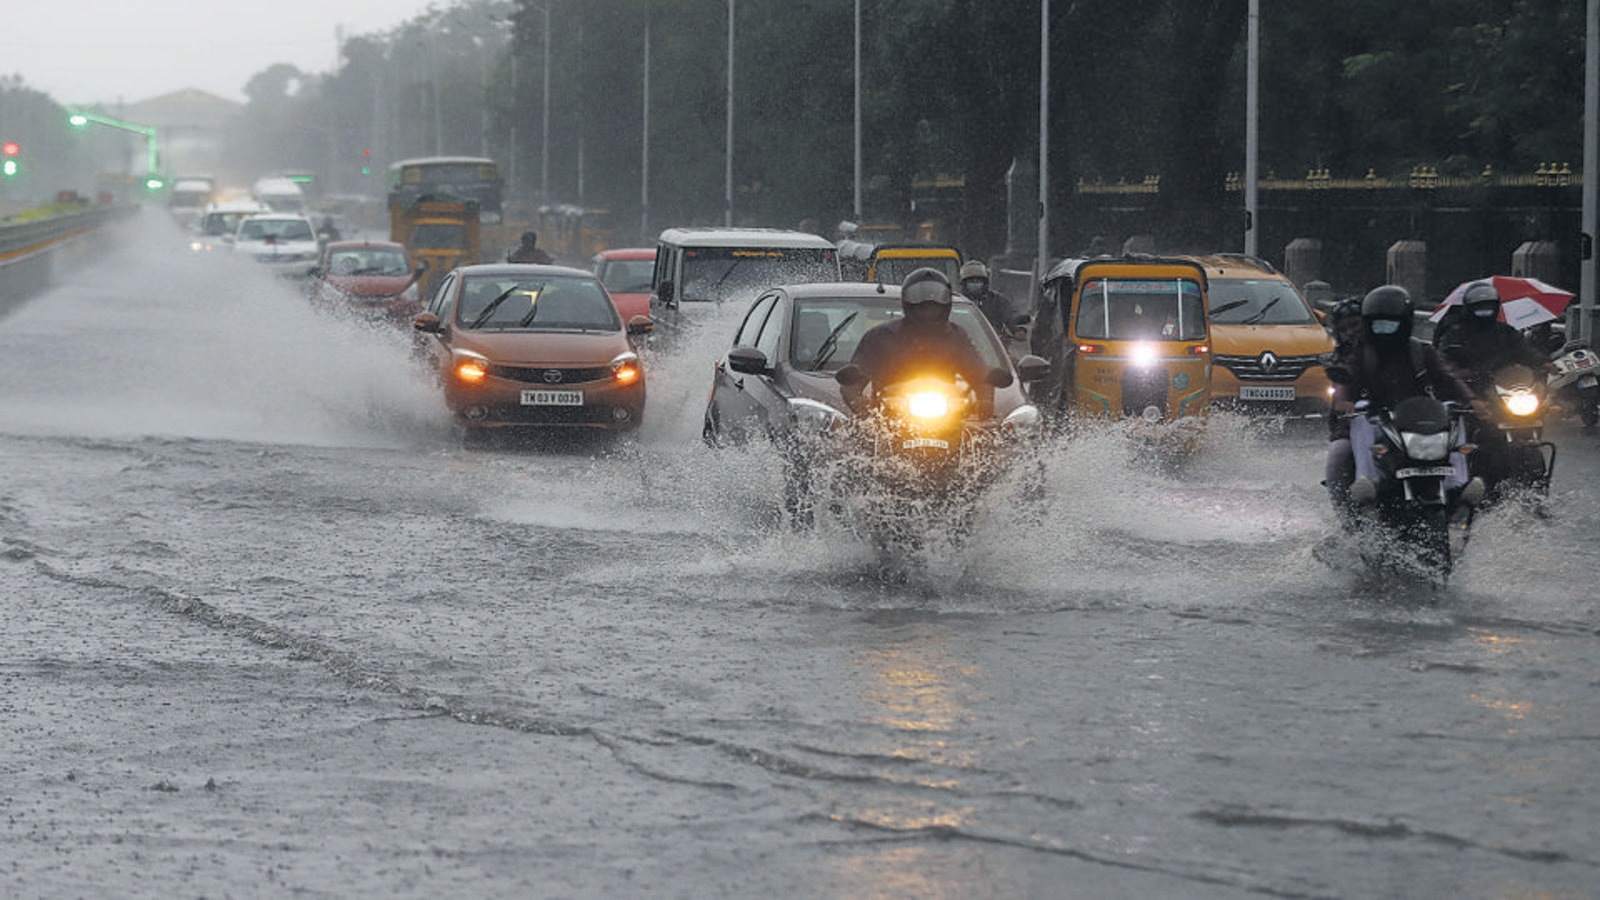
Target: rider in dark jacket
995,306
923,341
1388,366
1477,343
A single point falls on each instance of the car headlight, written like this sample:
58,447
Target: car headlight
1025,419
626,369
469,367
814,417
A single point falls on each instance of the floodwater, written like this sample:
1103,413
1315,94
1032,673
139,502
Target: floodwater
271,629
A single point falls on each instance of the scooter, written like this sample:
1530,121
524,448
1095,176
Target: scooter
1576,384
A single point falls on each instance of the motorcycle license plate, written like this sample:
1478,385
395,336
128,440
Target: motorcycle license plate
552,398
924,443
1425,472
1588,381
1265,392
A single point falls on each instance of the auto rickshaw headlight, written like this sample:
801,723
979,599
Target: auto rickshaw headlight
1143,354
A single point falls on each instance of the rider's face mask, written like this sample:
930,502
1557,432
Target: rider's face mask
1485,312
974,285
1385,326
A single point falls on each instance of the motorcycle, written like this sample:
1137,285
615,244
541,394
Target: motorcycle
1576,384
1409,525
1509,449
918,461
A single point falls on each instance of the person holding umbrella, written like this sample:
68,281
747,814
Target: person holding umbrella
1477,343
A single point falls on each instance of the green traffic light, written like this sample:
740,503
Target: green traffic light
9,168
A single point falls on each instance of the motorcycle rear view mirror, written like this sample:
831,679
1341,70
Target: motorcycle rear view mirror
850,375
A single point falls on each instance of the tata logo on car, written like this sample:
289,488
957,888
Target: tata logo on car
552,376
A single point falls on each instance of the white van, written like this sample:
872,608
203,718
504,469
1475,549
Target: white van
713,265
282,194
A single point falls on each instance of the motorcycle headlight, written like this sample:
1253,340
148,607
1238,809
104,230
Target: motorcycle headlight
1426,447
928,405
1025,419
813,417
1520,402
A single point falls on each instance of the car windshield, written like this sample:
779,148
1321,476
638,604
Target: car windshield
1258,302
439,236
222,223
627,276
368,261
728,273
537,304
1138,309
276,229
816,319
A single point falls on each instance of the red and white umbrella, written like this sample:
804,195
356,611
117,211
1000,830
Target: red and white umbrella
1524,302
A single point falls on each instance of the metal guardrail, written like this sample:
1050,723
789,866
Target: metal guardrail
19,240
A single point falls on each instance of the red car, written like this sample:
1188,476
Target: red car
374,279
626,274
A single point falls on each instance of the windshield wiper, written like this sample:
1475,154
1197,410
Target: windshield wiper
1226,307
1261,313
528,319
831,342
493,305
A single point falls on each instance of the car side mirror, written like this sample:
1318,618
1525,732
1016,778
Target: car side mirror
851,375
747,360
427,322
998,377
1032,368
641,325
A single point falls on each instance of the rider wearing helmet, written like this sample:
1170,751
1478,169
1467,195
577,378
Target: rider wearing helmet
1477,343
995,306
1387,367
922,341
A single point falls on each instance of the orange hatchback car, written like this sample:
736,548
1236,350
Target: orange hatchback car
532,346
1267,343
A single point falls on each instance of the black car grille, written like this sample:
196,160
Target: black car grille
1252,368
551,374
1142,388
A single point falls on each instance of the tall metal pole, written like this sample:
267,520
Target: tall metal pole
1591,169
856,206
544,128
644,129
1251,145
1041,260
727,197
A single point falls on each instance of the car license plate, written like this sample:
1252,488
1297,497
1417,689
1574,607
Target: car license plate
552,398
1265,392
1425,472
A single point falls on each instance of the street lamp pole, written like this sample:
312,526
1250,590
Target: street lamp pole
1251,126
644,130
856,206
544,128
1591,169
727,197
1041,263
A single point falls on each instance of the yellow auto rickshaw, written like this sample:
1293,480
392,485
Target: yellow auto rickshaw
1128,338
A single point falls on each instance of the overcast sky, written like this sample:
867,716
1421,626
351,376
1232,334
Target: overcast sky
97,51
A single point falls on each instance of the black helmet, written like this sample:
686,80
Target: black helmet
1482,301
925,296
1386,313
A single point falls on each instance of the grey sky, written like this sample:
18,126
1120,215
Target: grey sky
92,51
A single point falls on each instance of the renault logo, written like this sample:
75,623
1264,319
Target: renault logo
1269,362
552,376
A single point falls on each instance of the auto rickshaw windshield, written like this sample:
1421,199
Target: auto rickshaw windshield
1141,310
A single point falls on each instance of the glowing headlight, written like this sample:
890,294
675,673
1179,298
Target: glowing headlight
625,368
1521,402
928,405
1143,354
470,367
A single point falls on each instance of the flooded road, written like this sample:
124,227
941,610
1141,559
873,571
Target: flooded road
271,629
